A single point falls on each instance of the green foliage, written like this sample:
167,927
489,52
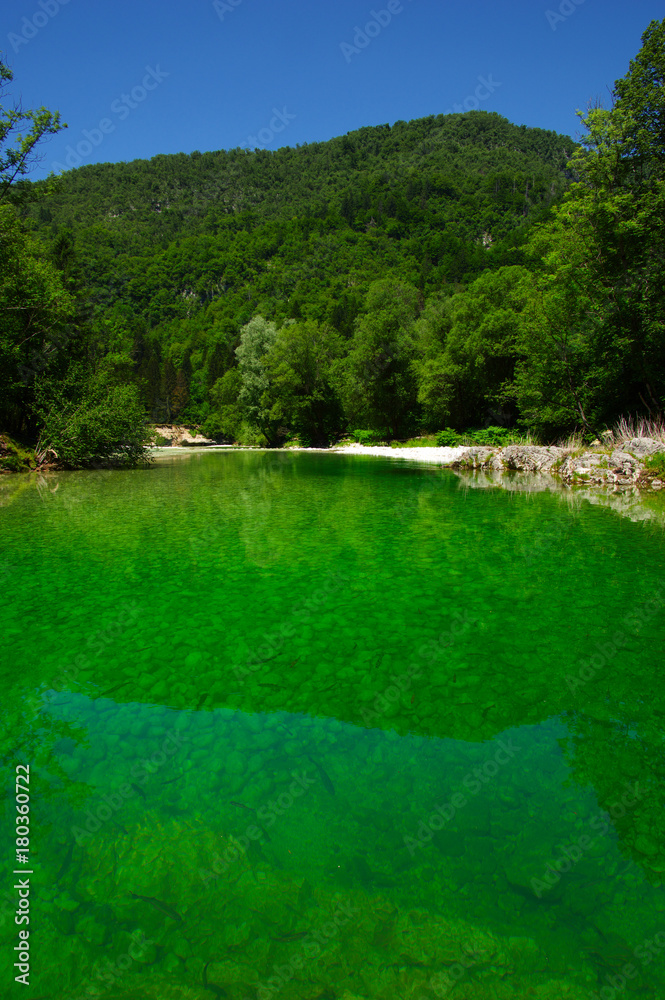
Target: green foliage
375,381
490,437
369,437
20,132
93,418
439,273
36,309
463,380
178,254
300,365
656,464
256,339
250,436
595,345
14,457
484,437
214,428
226,420
448,438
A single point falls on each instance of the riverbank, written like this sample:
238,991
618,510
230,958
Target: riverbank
434,456
635,464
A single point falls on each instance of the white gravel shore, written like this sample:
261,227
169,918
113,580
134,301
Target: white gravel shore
435,456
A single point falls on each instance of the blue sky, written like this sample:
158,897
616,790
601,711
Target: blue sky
136,79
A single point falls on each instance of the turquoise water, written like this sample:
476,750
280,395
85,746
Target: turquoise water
319,726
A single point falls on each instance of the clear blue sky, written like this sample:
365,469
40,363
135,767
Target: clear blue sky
168,77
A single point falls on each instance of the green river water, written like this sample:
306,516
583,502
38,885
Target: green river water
313,726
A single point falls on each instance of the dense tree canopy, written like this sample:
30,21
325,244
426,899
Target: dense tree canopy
596,346
453,271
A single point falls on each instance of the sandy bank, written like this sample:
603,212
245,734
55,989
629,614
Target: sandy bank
435,456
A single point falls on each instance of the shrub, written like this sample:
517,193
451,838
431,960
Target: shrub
368,437
90,419
490,436
656,464
14,458
448,438
216,429
250,437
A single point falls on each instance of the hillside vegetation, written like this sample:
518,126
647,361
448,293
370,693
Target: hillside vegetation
453,271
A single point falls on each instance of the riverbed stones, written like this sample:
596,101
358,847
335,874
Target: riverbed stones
623,463
479,458
522,458
620,469
644,447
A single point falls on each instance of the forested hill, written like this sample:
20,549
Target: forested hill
320,178
304,231
445,273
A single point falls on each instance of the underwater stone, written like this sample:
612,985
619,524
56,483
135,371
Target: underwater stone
235,763
645,845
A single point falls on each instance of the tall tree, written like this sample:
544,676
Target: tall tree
376,381
464,383
256,339
300,365
36,312
20,133
601,347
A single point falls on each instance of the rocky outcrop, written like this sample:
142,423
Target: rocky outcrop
178,437
619,468
526,458
488,459
514,458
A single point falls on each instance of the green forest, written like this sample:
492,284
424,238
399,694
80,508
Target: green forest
454,272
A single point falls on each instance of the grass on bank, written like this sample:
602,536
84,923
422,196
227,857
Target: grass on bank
15,457
626,430
618,438
448,438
